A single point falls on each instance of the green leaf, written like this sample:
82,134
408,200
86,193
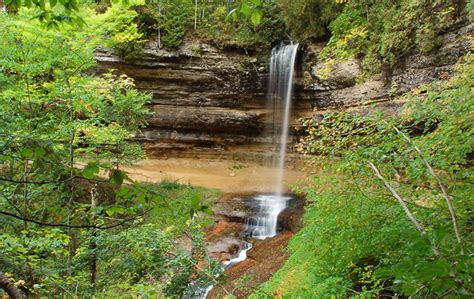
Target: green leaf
52,3
27,152
90,171
207,210
195,200
123,191
40,152
245,9
5,158
256,18
115,210
117,177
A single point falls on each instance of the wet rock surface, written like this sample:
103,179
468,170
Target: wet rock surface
291,219
264,259
226,239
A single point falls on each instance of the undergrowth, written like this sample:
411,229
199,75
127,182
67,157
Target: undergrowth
357,240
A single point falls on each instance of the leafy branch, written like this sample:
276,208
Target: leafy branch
121,223
446,196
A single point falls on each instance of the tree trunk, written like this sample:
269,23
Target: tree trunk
93,243
195,13
8,286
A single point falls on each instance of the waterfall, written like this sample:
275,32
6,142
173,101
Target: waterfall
282,68
281,72
264,209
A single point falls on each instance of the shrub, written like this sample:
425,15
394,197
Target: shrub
357,240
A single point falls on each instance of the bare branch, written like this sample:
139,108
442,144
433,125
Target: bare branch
36,182
446,196
401,201
8,286
73,226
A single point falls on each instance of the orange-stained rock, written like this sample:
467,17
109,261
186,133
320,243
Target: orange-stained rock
223,227
264,259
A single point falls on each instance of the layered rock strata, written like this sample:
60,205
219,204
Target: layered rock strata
210,103
205,100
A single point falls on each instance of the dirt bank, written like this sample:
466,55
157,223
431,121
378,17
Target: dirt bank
228,176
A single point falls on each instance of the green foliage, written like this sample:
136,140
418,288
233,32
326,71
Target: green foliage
227,25
357,241
384,31
173,21
64,133
241,23
308,19
50,12
119,25
168,19
249,9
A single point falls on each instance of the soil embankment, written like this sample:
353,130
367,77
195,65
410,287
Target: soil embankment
227,176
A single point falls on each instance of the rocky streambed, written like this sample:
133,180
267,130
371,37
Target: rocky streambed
229,237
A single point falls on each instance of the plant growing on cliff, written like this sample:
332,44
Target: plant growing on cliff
308,19
382,32
118,24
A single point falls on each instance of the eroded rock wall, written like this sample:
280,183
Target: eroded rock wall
206,101
340,90
210,102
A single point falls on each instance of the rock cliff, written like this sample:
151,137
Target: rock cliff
205,100
340,90
210,102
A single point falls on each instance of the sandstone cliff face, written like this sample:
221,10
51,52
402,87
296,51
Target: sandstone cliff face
209,102
205,100
340,90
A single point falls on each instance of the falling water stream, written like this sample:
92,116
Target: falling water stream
263,222
282,69
280,88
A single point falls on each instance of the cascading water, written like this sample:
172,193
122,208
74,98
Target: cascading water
265,208
282,67
280,90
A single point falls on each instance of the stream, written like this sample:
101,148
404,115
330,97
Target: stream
260,223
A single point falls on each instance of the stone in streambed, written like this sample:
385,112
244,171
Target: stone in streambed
291,218
264,259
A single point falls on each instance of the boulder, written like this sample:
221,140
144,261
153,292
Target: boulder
291,218
341,74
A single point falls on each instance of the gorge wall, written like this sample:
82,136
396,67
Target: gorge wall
210,102
340,90
205,100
